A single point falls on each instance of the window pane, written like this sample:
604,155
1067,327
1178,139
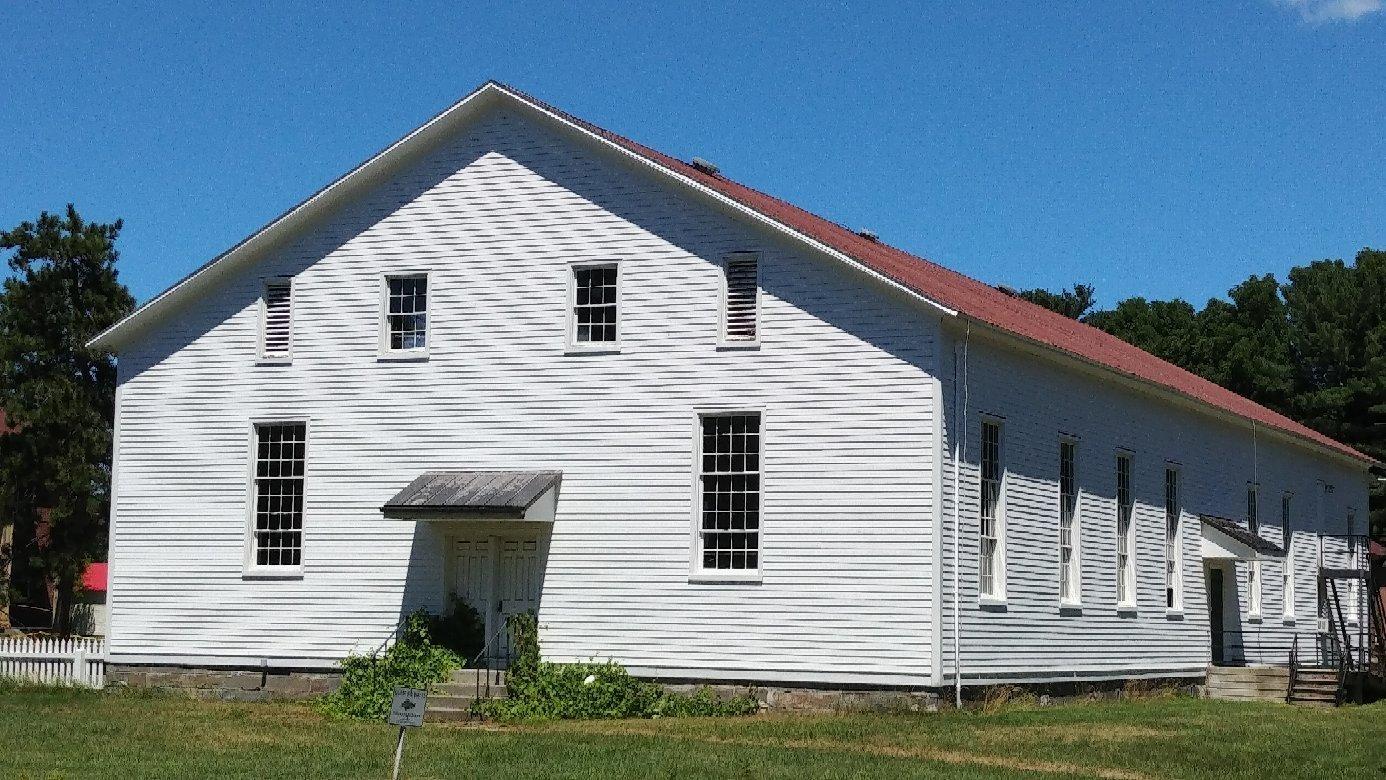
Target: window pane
730,484
279,462
408,312
594,304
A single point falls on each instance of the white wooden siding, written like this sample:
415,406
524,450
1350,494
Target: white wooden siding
1031,638
496,217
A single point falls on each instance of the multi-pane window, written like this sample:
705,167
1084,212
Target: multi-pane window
1287,583
989,553
743,298
279,459
1126,573
1172,552
1068,512
1253,524
729,476
406,312
1354,552
276,327
1253,576
594,304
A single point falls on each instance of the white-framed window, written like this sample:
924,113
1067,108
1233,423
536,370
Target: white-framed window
991,564
1354,610
1125,506
741,298
276,511
594,306
404,324
1174,554
1287,579
276,319
1253,576
729,492
1070,581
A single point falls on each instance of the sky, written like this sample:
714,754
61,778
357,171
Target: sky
1153,149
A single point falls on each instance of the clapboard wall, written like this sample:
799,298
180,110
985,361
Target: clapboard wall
1039,399
496,215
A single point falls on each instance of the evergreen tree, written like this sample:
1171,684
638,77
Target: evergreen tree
60,395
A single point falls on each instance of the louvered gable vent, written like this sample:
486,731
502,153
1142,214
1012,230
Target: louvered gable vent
278,318
743,301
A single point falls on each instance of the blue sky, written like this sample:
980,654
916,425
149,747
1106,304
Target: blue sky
1157,149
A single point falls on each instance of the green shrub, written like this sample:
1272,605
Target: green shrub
540,690
369,681
461,630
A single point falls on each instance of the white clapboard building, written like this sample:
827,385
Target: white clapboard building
522,360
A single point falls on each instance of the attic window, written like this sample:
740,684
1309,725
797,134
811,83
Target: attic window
742,303
406,314
594,312
276,326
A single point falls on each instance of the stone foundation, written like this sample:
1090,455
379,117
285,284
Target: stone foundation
256,684
231,683
848,699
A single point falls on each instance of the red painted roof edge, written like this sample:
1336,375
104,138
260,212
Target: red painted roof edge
971,298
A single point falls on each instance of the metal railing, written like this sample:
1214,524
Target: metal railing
482,663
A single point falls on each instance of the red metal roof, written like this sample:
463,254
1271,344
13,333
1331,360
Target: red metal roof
973,299
94,578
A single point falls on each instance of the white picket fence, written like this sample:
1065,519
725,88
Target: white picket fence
54,661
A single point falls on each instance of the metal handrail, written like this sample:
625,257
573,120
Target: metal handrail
483,653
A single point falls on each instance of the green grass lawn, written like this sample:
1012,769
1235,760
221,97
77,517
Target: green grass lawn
129,736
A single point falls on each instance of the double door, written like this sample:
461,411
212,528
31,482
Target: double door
499,576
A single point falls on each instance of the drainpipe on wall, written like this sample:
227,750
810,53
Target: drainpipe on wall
959,452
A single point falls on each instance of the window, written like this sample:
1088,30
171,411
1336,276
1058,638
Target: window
1252,523
594,312
276,321
1354,588
991,562
406,313
742,303
1253,576
278,508
1069,583
729,477
1126,571
1173,554
1287,580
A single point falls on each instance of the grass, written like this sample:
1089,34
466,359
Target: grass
49,734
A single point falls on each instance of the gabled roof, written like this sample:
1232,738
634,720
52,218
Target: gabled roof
950,292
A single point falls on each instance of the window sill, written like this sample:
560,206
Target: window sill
992,603
274,361
288,573
738,346
1288,620
403,356
1253,618
1126,610
1174,613
1070,607
724,578
603,349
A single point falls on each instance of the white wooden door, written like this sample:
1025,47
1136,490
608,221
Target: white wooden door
518,579
473,573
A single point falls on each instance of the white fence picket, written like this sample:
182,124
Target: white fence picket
53,661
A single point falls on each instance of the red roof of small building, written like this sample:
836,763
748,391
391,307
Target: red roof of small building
973,299
94,578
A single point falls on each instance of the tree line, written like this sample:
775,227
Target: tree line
1312,347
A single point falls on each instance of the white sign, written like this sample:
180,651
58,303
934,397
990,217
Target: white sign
407,708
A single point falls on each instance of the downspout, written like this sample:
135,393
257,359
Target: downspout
959,452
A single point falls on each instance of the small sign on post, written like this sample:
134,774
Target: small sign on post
407,712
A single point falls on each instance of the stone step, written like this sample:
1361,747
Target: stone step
468,690
470,676
447,715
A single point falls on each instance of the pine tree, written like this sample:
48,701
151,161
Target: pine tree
59,395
